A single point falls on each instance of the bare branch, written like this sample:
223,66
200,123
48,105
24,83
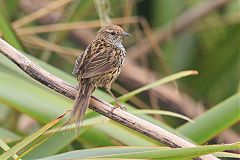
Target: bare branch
125,118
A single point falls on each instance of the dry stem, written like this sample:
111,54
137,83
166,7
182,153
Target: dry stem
40,13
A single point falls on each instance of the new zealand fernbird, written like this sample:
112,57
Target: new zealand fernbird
98,66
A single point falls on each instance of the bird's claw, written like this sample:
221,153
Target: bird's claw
119,106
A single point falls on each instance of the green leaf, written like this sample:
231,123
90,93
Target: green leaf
8,136
164,80
125,135
100,152
12,7
214,121
6,30
168,113
162,153
19,146
5,147
60,139
94,137
40,103
227,155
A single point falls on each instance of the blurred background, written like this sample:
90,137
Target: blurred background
168,36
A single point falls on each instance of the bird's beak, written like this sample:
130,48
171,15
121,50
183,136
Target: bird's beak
126,34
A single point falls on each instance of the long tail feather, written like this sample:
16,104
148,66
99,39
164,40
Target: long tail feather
81,104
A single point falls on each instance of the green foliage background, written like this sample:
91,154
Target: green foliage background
210,46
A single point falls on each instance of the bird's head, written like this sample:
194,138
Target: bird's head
113,34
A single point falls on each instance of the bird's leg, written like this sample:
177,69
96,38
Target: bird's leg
118,104
78,85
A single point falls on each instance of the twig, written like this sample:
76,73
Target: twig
103,9
40,13
42,43
125,118
72,26
69,54
182,23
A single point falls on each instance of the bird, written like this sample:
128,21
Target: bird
98,66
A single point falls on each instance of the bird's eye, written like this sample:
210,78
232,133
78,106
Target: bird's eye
112,33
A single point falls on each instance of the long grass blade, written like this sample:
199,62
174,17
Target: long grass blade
7,31
5,147
162,153
19,146
221,116
167,79
167,113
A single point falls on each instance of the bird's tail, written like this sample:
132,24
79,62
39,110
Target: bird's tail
81,104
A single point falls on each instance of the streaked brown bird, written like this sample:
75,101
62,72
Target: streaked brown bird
98,66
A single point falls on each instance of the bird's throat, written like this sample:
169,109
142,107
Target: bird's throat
119,45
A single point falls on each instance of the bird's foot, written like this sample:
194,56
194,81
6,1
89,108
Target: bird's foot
77,87
122,107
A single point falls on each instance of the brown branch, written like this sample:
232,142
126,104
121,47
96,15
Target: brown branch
182,23
62,87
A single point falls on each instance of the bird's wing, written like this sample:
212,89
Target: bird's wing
103,60
79,62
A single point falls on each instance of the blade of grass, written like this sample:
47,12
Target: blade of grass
125,135
6,30
75,12
59,140
181,153
5,147
31,99
41,43
93,137
12,7
168,113
55,37
99,152
167,79
8,136
227,155
113,159
19,146
40,13
221,116
162,153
